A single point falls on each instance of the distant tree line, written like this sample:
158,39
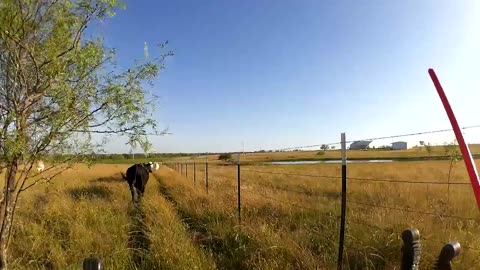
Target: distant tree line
118,156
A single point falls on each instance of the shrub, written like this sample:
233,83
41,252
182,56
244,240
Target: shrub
225,156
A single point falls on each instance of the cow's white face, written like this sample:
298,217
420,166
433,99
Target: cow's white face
154,166
40,166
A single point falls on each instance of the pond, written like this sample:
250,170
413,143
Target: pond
302,162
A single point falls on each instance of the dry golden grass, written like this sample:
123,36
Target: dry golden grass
88,212
290,220
294,220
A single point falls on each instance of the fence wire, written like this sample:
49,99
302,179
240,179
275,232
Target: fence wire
406,181
293,174
366,207
411,210
372,139
280,201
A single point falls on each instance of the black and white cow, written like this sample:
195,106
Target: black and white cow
137,177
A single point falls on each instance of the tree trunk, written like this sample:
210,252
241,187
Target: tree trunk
7,213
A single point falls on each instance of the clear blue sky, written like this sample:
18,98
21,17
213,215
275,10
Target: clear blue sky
275,74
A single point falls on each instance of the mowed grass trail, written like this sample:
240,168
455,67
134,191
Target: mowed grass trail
87,212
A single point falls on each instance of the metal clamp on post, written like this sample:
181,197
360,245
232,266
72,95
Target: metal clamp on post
449,251
411,249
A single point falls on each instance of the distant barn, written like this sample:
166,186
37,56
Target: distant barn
359,145
399,146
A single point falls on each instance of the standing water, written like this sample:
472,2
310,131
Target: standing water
300,162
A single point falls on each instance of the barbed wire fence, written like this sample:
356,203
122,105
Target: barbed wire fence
363,201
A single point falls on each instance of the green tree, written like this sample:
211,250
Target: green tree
225,156
454,155
57,88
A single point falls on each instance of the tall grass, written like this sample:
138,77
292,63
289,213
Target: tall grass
290,220
299,214
88,212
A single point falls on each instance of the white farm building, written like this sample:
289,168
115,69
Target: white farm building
359,145
399,146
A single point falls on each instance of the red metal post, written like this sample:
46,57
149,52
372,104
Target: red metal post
467,157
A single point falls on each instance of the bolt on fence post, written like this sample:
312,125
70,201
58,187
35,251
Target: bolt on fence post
344,203
194,173
206,173
411,249
449,251
238,190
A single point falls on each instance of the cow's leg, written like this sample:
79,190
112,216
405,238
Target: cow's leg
134,192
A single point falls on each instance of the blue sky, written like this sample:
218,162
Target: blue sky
275,74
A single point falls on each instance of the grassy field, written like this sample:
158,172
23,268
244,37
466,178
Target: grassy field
290,220
88,212
412,153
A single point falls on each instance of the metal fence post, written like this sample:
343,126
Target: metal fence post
92,263
449,251
344,203
238,190
411,249
206,174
